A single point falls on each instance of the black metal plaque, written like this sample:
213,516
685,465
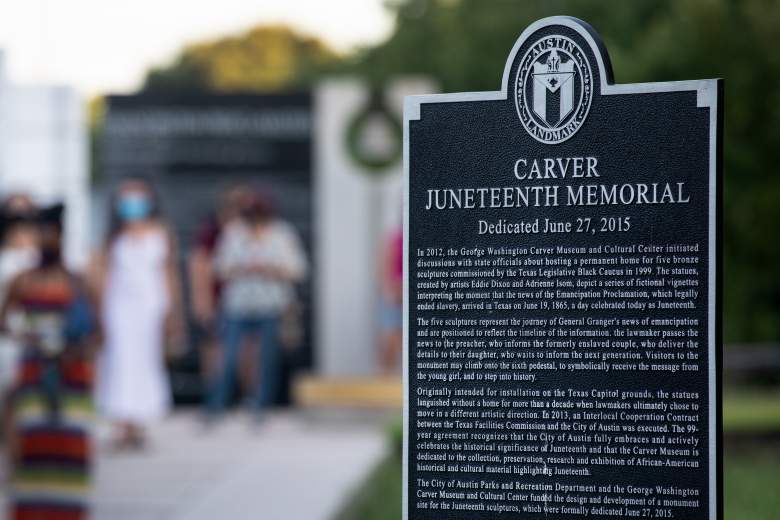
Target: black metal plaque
562,292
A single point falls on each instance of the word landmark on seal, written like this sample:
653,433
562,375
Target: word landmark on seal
562,292
553,89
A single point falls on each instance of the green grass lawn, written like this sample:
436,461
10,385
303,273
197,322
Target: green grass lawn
751,471
752,485
751,412
380,497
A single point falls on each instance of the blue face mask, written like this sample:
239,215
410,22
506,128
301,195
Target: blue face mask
133,207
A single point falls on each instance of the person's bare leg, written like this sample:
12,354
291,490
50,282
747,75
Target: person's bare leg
137,436
123,436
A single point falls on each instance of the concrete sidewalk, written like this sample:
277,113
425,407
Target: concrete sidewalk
290,467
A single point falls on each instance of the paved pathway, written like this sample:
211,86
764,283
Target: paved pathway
290,467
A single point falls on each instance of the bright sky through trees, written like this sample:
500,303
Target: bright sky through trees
108,45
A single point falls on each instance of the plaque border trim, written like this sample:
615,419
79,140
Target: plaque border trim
709,95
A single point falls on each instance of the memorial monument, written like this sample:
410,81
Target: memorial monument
562,292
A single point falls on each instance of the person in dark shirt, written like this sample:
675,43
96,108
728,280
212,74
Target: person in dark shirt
260,260
206,288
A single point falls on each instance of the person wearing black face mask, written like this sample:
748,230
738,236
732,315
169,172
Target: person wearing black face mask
51,237
259,261
18,253
51,422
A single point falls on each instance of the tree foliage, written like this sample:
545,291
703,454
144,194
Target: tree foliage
265,59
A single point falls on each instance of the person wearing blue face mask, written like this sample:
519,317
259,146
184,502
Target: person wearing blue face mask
136,272
134,206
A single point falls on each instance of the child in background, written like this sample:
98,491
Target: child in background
391,308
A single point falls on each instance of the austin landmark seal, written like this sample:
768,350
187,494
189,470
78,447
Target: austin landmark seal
554,89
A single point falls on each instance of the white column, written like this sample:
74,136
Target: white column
354,210
44,153
345,326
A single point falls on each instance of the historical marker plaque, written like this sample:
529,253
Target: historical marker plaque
562,301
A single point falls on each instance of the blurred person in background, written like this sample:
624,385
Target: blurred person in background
206,287
136,275
391,274
51,410
258,259
18,253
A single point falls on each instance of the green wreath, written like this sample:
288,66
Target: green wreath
371,162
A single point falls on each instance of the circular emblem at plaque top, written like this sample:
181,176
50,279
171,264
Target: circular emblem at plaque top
554,88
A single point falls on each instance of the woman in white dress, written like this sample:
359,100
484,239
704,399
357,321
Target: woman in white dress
136,274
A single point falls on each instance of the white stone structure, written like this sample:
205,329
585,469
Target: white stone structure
44,153
354,211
